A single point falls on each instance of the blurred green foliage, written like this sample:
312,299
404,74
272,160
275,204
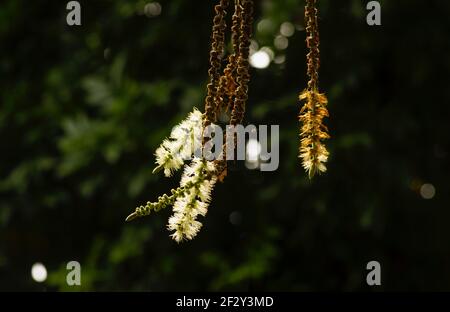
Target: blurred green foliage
83,108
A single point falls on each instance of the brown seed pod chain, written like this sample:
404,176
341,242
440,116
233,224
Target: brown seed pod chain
312,151
227,84
233,87
215,57
242,64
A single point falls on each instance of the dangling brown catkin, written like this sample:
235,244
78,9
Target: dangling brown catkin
312,151
215,56
243,76
312,42
237,72
227,83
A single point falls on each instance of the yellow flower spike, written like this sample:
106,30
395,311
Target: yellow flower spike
312,151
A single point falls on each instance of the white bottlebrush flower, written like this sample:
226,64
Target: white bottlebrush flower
184,139
200,176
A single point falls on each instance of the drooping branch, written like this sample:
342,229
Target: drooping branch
192,197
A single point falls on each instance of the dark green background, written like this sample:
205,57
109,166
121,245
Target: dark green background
82,110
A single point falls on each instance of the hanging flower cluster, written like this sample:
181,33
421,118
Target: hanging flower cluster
189,200
226,91
312,150
198,180
184,139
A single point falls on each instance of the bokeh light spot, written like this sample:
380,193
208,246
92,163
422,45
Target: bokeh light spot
281,42
152,9
427,191
39,272
235,218
260,59
287,29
